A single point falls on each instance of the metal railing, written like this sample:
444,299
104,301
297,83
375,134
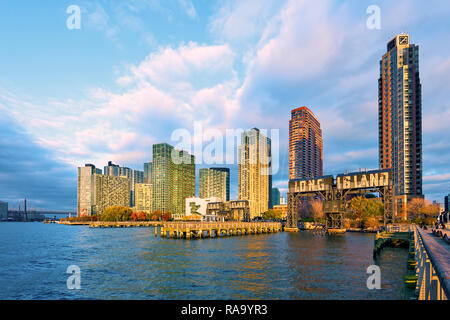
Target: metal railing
433,281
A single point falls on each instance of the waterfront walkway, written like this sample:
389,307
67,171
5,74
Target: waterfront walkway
432,255
193,230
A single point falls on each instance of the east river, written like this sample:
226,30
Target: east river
130,263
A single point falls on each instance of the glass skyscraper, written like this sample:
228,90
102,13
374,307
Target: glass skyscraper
173,178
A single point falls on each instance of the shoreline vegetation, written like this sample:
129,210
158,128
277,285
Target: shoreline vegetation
364,214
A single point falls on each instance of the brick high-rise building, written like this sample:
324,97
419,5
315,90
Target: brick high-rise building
400,119
305,145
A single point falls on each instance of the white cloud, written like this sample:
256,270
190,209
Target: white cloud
266,58
189,8
238,21
157,96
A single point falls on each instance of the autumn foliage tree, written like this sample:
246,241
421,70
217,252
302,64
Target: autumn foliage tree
116,213
156,215
365,212
271,214
317,210
166,216
422,211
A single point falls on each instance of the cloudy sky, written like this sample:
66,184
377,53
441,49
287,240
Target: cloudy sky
139,69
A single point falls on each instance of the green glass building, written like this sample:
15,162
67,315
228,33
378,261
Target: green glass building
173,178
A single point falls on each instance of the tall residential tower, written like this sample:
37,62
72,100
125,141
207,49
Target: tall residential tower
255,183
305,145
214,182
173,178
400,119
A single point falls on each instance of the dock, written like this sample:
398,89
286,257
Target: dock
391,239
112,224
124,224
198,230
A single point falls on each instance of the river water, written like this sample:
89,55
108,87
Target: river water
130,263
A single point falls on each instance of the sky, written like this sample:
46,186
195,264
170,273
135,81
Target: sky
138,70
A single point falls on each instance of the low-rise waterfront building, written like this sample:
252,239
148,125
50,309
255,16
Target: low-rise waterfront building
235,210
196,208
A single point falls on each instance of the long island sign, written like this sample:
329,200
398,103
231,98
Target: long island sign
354,180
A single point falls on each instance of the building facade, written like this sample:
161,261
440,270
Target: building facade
254,171
143,197
275,197
400,119
148,172
446,203
196,208
135,176
173,178
86,190
214,182
96,191
305,145
3,211
235,210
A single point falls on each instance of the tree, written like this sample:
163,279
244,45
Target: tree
116,213
317,210
141,216
167,216
156,215
303,210
415,207
271,214
422,211
365,212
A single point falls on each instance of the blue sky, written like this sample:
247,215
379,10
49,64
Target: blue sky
139,69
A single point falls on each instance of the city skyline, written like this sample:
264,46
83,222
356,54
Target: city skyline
112,100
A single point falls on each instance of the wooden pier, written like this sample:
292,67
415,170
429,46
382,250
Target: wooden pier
390,239
124,224
197,230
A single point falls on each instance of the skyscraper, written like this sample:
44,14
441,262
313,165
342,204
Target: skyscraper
214,182
446,203
254,171
172,182
275,197
400,119
96,191
135,176
143,197
148,172
305,145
